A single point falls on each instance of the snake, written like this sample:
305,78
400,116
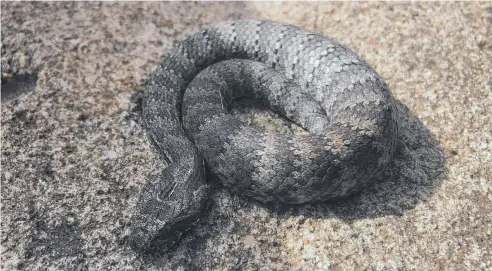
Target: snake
345,110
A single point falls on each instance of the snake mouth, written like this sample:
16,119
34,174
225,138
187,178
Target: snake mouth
158,239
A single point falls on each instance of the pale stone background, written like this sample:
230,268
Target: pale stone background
74,155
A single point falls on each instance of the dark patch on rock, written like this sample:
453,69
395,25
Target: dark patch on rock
83,117
15,85
58,241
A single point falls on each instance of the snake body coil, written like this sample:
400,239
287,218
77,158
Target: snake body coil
307,78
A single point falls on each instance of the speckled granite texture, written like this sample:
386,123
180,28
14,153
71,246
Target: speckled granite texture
74,154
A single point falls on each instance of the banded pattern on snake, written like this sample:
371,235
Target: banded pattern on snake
334,95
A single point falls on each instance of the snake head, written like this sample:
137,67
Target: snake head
169,205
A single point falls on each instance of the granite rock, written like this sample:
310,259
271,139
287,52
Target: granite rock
75,155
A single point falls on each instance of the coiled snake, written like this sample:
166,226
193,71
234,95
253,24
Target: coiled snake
307,78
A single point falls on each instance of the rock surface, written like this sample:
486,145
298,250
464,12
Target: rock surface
75,156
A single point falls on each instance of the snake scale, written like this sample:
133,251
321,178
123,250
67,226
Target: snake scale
311,80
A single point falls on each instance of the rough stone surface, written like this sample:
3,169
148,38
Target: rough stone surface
75,156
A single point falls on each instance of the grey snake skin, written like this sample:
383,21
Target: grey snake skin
309,79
